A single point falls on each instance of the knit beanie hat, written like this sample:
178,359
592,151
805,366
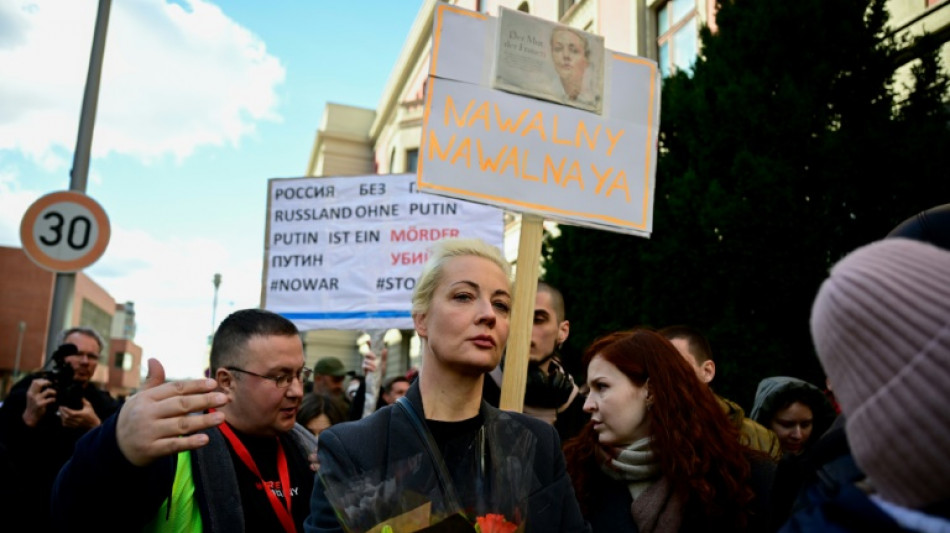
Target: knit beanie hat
881,327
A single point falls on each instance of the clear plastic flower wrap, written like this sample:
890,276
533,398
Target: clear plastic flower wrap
413,492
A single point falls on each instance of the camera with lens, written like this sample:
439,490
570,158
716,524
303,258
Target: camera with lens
62,379
547,389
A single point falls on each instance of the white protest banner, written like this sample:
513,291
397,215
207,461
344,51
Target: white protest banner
532,156
345,252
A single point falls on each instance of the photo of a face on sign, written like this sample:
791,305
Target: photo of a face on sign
539,58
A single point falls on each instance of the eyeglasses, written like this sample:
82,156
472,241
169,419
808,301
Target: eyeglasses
282,381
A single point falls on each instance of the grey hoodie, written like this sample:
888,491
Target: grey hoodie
776,392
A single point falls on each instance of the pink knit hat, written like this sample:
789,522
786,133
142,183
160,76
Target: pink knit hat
881,327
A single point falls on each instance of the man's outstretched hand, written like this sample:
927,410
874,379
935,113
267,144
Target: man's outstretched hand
162,418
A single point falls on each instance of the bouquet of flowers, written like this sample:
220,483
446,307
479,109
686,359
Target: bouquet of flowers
419,493
495,523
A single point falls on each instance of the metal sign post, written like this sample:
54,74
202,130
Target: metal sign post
66,282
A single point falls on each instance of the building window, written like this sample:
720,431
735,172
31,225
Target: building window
123,361
677,44
412,160
92,316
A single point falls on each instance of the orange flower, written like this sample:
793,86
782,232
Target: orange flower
494,523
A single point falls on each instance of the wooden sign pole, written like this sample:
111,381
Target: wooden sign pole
522,313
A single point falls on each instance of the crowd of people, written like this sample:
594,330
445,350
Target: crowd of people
642,445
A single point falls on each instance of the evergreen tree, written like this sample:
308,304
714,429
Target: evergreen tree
783,150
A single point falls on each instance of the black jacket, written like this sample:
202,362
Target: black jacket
848,510
378,467
36,454
137,493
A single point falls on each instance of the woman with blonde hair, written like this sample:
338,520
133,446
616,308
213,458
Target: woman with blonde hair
440,457
659,454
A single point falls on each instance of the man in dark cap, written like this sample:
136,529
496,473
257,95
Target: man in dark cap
328,376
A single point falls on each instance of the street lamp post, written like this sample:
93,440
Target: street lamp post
19,345
214,306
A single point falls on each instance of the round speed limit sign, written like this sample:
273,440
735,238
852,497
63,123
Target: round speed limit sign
65,231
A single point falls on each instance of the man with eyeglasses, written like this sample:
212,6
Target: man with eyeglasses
40,421
222,454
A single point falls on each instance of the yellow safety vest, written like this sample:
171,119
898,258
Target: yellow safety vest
184,516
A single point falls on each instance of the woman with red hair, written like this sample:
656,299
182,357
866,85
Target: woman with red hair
658,453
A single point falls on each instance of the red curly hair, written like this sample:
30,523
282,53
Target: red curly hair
697,447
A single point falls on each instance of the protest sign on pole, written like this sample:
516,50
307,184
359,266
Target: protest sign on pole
345,252
558,158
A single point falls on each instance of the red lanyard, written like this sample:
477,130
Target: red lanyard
283,513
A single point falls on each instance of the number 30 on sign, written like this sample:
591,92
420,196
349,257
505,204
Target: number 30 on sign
64,231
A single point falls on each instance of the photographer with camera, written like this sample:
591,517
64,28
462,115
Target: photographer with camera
46,413
550,392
